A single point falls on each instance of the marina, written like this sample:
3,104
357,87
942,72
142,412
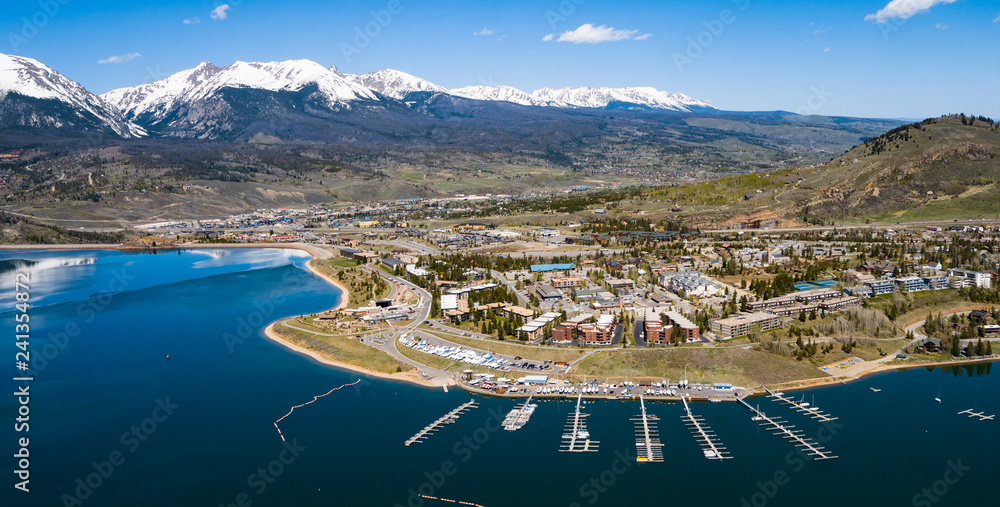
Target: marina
518,417
780,427
706,438
647,437
801,406
433,427
577,438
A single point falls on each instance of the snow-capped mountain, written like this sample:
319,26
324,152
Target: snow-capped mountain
394,83
497,93
34,95
601,97
596,98
154,101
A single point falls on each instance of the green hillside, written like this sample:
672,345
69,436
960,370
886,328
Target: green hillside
939,168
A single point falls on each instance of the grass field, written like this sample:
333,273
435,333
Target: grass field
738,366
347,350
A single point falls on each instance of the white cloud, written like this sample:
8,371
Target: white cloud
192,21
904,9
643,36
997,20
941,26
827,50
588,33
485,31
119,59
221,12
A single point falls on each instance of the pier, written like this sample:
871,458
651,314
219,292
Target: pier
647,437
804,408
980,415
780,427
706,438
577,438
433,427
519,416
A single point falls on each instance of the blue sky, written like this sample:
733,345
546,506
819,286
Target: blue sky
908,59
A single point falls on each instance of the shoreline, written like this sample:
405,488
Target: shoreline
408,376
413,377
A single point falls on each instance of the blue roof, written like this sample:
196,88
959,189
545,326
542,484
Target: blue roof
537,268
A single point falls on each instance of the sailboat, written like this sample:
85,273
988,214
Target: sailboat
813,408
938,399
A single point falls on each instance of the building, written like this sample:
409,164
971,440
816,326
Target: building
620,283
534,332
546,291
599,333
469,226
780,302
358,255
566,282
979,316
655,331
835,305
516,311
449,302
911,284
391,263
793,311
740,324
967,278
587,294
808,296
689,330
862,291
563,334
690,283
881,286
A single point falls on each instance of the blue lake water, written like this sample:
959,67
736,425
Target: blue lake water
197,429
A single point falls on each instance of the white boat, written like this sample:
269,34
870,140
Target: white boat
709,453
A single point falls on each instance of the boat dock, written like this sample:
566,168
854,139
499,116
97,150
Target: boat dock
433,427
577,438
709,442
802,407
519,416
778,426
647,438
980,415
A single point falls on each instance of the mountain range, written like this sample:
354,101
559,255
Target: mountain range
274,98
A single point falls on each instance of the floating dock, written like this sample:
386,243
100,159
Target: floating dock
709,442
433,427
519,416
804,408
577,438
647,437
780,427
980,415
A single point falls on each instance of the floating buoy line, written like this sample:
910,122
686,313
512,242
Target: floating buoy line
308,402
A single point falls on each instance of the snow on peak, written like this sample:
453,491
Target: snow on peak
394,83
584,97
497,93
199,83
32,78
